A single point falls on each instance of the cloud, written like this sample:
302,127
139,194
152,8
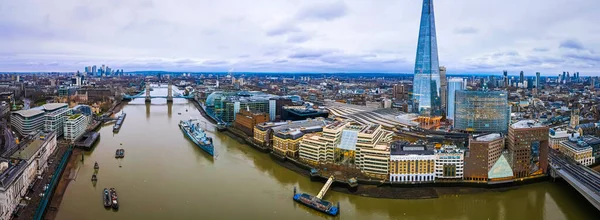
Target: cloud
298,38
466,30
323,11
571,44
296,35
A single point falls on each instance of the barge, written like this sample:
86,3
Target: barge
197,135
114,200
119,122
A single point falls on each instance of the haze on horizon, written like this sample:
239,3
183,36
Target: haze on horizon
474,36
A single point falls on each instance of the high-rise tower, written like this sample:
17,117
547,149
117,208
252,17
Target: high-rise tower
426,82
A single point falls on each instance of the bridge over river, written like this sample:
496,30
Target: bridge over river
585,180
146,94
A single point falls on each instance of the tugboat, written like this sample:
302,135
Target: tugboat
113,196
94,177
197,135
96,166
107,198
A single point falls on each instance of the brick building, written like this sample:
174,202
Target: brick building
528,148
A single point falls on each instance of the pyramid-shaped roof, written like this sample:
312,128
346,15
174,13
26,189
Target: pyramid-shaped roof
501,169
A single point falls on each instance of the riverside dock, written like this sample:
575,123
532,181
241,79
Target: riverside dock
317,202
119,122
87,140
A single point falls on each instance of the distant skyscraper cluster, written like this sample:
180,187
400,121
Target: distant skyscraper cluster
102,71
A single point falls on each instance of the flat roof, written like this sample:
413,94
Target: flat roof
527,124
489,137
54,106
29,112
32,147
406,148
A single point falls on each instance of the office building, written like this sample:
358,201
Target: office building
54,121
537,81
27,121
410,163
449,163
22,168
426,81
484,151
364,147
577,150
506,83
481,111
75,126
286,141
400,92
296,113
224,106
246,120
556,136
528,148
454,84
264,132
521,77
444,88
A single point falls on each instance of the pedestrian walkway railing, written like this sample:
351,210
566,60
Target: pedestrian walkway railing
41,209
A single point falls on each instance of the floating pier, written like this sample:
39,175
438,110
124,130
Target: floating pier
317,202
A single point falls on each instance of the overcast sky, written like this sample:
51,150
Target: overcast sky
474,36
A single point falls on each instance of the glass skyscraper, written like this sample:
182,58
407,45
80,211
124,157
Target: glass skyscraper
454,84
426,82
481,111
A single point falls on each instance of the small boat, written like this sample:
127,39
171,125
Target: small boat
96,166
94,177
107,198
113,196
316,203
120,153
179,113
186,110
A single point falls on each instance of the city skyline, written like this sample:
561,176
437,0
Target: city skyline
306,36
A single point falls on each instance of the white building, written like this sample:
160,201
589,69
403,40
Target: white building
449,163
54,121
27,121
578,150
557,136
410,163
18,173
75,126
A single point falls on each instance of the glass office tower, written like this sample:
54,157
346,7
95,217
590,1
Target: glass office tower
426,82
481,111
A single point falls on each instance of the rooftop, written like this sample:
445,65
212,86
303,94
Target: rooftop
54,106
489,137
29,112
31,147
406,148
527,124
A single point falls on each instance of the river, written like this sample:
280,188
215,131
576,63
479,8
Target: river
164,176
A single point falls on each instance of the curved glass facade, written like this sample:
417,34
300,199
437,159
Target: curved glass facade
481,111
426,82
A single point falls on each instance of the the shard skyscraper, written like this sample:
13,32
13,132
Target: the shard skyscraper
426,82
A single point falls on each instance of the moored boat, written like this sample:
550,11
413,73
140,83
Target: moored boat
113,197
197,135
316,203
94,177
107,198
96,165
